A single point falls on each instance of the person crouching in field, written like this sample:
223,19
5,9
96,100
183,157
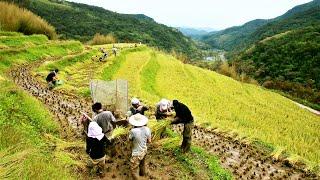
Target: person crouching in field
183,115
52,78
96,147
140,135
137,107
163,109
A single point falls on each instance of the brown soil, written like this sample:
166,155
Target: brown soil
243,159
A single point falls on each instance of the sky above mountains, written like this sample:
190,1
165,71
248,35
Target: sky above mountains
216,14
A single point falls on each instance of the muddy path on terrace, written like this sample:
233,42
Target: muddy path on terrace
242,159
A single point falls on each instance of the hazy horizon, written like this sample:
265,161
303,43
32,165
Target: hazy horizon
213,14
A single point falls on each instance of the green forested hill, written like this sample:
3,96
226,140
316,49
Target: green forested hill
289,61
241,37
81,22
230,38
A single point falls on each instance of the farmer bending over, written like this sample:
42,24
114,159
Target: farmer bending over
137,107
140,135
96,147
183,115
105,119
163,109
52,78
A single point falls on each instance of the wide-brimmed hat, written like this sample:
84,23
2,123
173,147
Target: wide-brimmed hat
138,120
135,101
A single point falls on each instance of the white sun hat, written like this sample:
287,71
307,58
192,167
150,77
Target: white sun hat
164,104
138,120
135,101
95,131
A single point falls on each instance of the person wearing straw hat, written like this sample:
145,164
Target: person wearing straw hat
140,135
184,116
96,147
137,107
163,109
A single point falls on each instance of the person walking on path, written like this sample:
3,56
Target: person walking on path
96,147
140,135
183,115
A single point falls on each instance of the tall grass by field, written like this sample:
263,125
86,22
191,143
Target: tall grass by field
131,70
99,39
9,33
12,57
13,18
78,70
30,147
22,41
25,152
219,101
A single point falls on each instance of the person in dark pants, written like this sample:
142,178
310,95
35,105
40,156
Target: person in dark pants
137,107
52,78
183,115
96,147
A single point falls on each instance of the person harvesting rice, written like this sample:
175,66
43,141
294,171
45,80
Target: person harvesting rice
183,115
96,147
140,135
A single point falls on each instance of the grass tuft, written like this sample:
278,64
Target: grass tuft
13,18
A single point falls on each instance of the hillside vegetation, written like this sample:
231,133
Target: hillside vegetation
13,18
288,62
280,53
242,37
216,100
231,38
82,22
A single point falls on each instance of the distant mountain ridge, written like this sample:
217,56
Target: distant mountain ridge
81,22
241,37
196,33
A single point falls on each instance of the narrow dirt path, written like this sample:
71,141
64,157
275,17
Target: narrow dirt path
65,107
244,161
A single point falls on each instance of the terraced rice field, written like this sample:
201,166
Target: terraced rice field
251,122
221,102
